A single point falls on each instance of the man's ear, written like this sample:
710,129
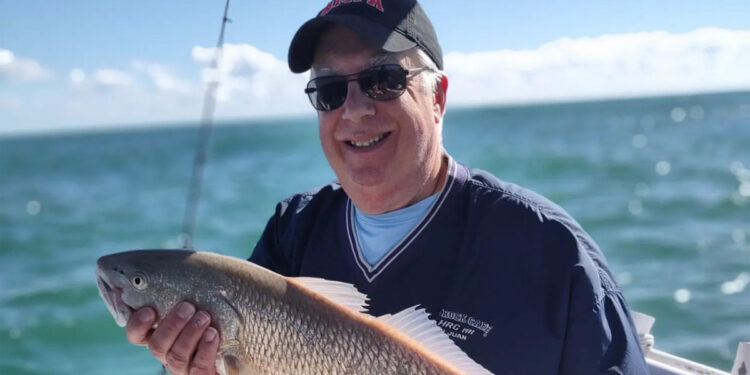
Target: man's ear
441,93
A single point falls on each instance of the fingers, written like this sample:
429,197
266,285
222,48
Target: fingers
183,341
166,333
181,353
204,362
139,325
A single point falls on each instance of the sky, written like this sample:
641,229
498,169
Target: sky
84,64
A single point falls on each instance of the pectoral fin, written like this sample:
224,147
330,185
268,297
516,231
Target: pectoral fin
231,365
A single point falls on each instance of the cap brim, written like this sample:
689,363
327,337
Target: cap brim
305,41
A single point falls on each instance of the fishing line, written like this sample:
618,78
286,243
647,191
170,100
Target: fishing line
201,147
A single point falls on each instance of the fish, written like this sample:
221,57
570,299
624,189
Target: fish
276,325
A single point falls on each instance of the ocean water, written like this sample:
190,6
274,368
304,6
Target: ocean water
662,184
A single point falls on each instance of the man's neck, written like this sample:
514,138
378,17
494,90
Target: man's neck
432,185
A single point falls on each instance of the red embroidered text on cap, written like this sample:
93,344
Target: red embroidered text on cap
377,4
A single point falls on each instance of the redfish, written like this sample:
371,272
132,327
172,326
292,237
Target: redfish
276,325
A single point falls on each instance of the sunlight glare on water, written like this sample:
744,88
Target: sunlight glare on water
682,295
744,189
663,168
33,208
736,166
737,285
678,114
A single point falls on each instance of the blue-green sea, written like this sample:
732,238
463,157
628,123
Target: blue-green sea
662,184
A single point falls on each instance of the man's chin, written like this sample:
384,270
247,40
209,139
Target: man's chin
363,177
372,196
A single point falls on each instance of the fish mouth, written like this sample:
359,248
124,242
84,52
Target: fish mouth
112,296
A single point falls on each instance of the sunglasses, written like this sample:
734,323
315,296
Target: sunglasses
382,82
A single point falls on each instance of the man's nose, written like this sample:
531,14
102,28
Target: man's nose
357,104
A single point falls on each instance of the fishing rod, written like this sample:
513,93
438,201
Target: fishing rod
201,147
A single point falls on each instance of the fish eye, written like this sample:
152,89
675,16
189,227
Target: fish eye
139,282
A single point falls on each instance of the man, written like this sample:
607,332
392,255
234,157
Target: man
513,279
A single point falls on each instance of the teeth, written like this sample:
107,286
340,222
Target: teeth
368,142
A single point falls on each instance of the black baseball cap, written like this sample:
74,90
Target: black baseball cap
393,25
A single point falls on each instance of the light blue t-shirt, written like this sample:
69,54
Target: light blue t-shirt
378,234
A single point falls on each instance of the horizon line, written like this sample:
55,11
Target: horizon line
177,124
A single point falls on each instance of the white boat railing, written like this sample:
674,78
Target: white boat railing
661,363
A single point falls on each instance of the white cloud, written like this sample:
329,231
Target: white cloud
252,83
618,65
252,74
256,83
113,78
140,74
6,57
77,76
14,68
162,77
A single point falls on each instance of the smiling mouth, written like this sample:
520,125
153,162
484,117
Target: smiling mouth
370,142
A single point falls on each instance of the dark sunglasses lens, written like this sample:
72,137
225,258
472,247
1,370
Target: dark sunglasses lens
327,93
383,82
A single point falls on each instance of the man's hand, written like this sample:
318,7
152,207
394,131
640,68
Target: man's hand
183,341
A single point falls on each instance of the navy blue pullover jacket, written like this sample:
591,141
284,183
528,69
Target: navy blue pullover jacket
509,275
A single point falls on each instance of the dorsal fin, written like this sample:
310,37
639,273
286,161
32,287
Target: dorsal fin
342,293
416,324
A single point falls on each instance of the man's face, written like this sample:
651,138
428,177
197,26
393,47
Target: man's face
386,154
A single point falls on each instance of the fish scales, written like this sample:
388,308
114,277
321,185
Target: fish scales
297,333
269,324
